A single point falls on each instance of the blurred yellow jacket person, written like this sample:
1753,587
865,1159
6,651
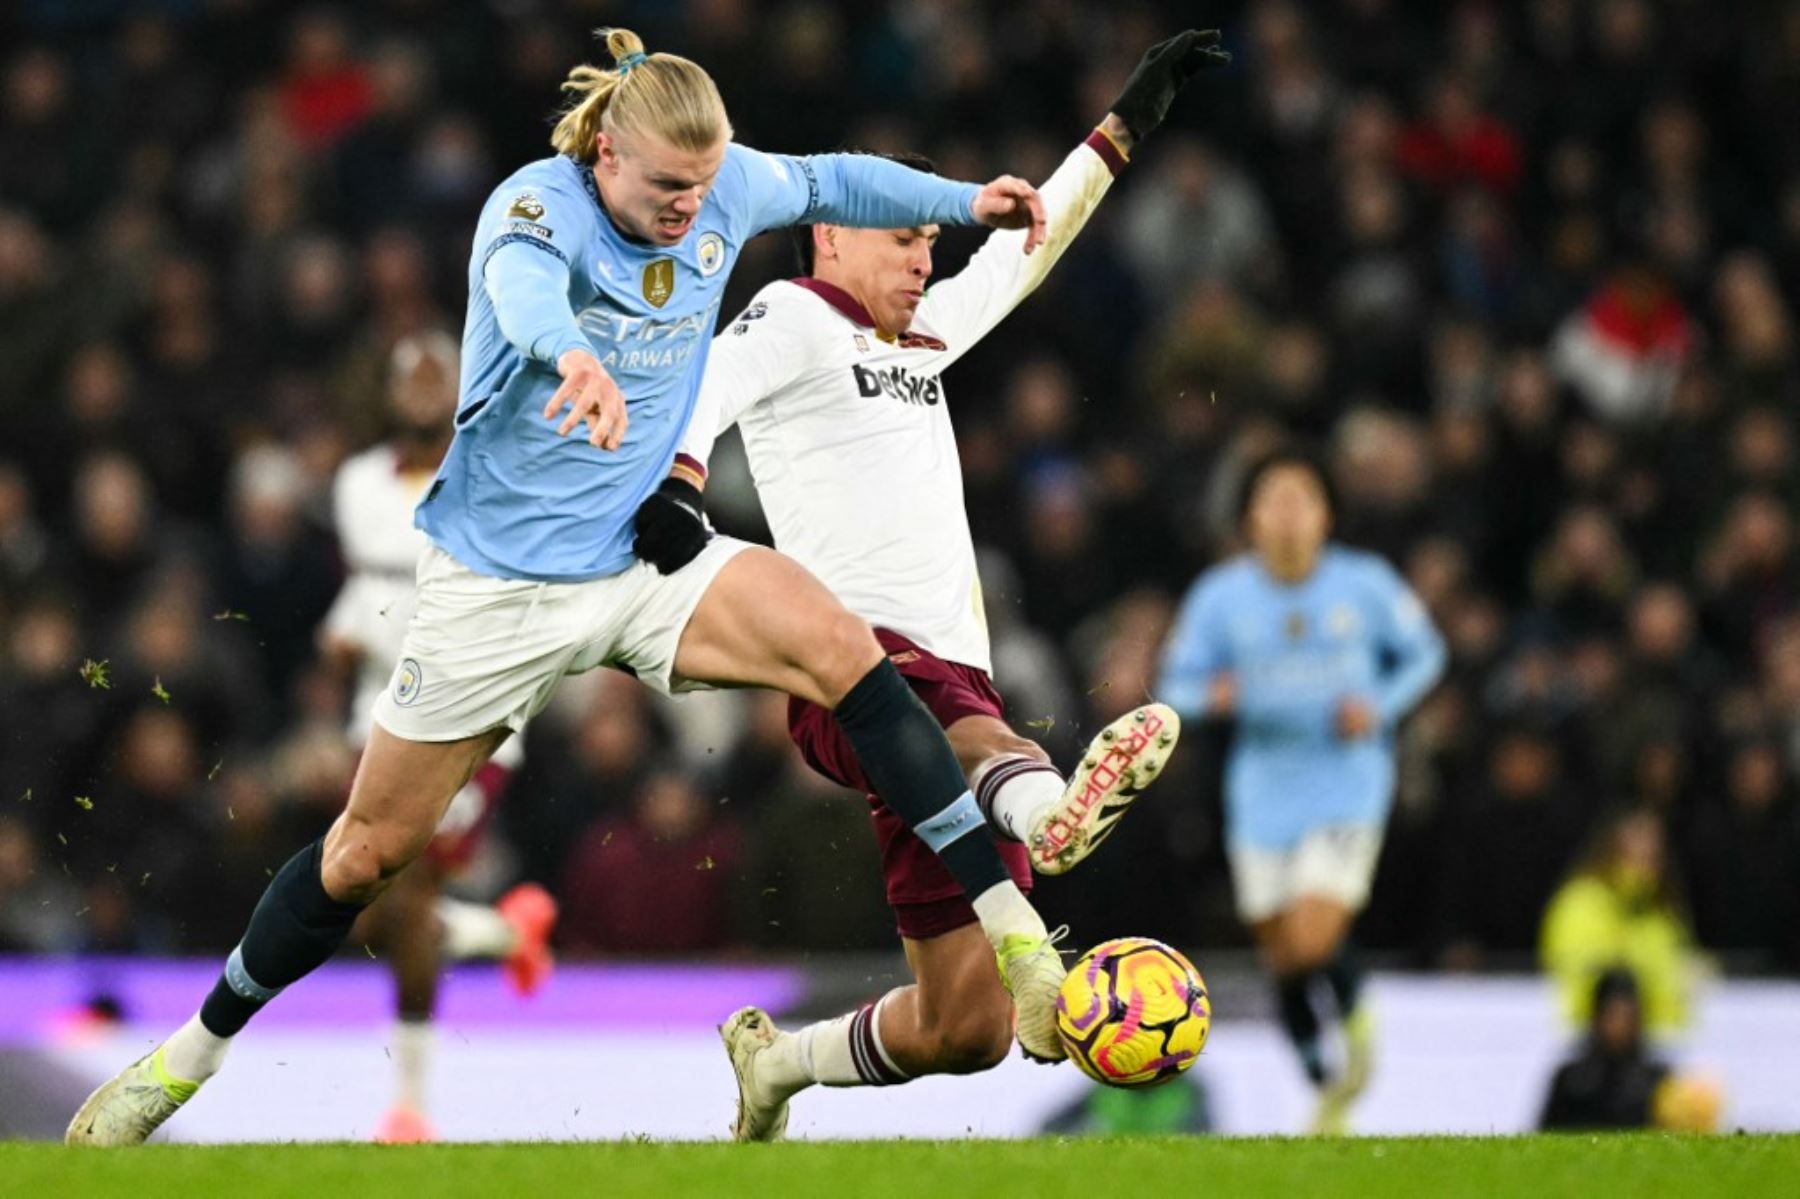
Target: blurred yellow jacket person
1619,908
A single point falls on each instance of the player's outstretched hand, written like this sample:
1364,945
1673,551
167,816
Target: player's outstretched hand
590,394
1011,203
1161,73
1355,719
670,529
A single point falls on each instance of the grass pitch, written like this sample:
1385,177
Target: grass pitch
1538,1167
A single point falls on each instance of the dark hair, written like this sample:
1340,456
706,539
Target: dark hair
1602,847
1615,982
803,237
1303,457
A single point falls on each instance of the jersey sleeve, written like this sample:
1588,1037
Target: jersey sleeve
1198,649
530,228
1405,631
768,346
775,191
962,309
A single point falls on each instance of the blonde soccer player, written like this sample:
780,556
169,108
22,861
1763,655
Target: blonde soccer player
594,281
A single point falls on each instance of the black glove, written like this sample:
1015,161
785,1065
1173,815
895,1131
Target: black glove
670,529
1161,73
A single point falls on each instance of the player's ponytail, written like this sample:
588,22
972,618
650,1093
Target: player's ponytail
661,94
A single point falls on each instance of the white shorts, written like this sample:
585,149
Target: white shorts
1336,863
482,652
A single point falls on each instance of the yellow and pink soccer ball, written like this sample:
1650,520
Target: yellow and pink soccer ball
1133,1013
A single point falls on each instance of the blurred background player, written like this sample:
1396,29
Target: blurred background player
414,924
836,381
1317,651
530,574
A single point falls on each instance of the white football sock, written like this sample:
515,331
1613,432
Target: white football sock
474,930
411,1046
1003,910
824,1052
193,1054
787,1065
1013,790
845,1051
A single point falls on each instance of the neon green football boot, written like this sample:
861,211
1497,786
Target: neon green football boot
134,1104
1032,969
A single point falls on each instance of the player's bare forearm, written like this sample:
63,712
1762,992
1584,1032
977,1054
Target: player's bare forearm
1116,129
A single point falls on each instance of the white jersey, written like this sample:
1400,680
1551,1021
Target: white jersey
372,503
848,435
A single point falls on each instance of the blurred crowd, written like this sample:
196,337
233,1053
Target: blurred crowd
1527,272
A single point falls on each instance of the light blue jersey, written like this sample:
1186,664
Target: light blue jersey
550,272
1352,628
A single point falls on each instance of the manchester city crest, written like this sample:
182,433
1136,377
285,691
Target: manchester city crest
408,678
711,252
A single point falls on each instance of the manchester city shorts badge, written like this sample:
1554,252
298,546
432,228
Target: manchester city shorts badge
408,678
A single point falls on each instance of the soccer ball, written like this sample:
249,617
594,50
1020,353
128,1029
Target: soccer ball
1133,1013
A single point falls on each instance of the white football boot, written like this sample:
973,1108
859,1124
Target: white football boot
134,1104
1123,760
1033,971
760,1115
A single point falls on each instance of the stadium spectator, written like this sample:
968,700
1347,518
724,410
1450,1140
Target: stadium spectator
1623,906
23,543
1743,855
1456,145
619,896
37,905
279,571
1509,849
327,92
1612,1082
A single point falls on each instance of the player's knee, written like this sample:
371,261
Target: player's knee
362,858
843,650
978,1039
1306,952
1010,744
980,740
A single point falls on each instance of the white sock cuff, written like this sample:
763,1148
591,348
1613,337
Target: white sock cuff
1012,790
872,1063
875,1035
998,768
1003,910
473,930
192,1053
